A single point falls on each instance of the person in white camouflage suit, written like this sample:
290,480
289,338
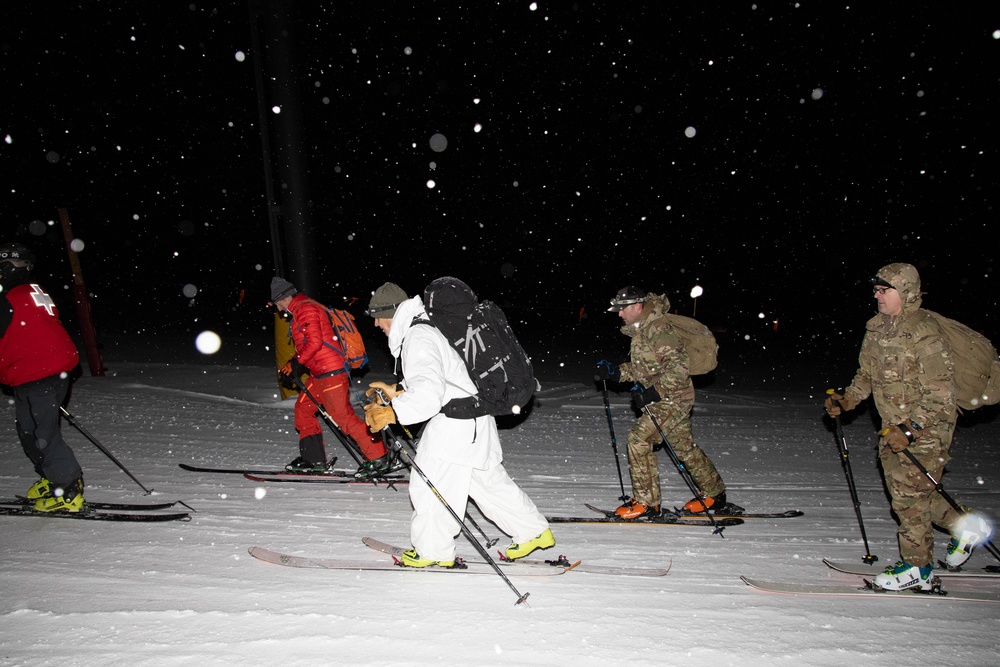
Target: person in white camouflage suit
906,366
657,360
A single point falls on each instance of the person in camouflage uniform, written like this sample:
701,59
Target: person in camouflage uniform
657,360
906,366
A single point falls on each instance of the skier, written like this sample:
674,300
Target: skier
657,360
329,381
462,456
36,358
906,367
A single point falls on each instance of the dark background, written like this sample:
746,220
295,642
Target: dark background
829,140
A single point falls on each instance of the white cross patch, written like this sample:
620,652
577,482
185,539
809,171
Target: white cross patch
42,299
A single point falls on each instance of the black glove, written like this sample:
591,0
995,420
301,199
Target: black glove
607,371
293,368
643,396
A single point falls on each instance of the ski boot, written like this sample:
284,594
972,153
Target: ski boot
903,576
972,530
714,504
633,509
301,465
66,499
543,541
411,558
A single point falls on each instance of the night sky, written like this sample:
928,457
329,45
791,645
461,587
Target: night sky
774,153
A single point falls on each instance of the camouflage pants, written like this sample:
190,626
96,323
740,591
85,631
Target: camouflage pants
917,505
675,421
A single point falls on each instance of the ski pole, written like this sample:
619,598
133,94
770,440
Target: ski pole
685,474
397,446
846,462
944,494
614,441
72,420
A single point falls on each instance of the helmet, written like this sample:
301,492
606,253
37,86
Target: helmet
626,296
17,256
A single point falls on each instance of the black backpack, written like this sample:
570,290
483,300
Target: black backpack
497,364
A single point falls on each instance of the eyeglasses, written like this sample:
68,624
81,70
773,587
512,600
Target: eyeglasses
881,290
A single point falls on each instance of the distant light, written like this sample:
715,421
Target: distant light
431,184
8,139
696,291
760,316
478,127
276,109
208,342
240,56
475,100
533,6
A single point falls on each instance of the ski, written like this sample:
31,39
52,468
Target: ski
839,590
324,479
252,471
289,560
668,519
94,515
788,514
22,501
560,562
871,570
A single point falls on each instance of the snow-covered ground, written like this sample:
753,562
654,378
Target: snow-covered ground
92,593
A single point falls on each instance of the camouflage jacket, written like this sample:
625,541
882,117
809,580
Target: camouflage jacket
657,357
906,366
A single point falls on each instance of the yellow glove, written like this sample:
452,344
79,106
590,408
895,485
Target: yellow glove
391,391
895,439
379,416
835,403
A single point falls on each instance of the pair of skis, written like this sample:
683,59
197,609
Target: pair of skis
867,589
94,511
533,567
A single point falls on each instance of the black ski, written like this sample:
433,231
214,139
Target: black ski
94,515
24,502
788,514
252,471
323,479
669,519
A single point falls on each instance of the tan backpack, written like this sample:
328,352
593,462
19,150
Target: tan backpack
977,368
699,343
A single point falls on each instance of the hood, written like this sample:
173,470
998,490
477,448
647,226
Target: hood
652,309
906,280
401,322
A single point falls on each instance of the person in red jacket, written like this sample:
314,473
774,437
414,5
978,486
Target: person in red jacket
317,352
36,358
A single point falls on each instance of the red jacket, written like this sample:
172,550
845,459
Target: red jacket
35,345
314,337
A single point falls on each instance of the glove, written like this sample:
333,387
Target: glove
293,368
607,371
896,439
836,403
390,391
379,416
641,396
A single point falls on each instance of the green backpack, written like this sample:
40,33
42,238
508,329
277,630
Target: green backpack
699,343
977,368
